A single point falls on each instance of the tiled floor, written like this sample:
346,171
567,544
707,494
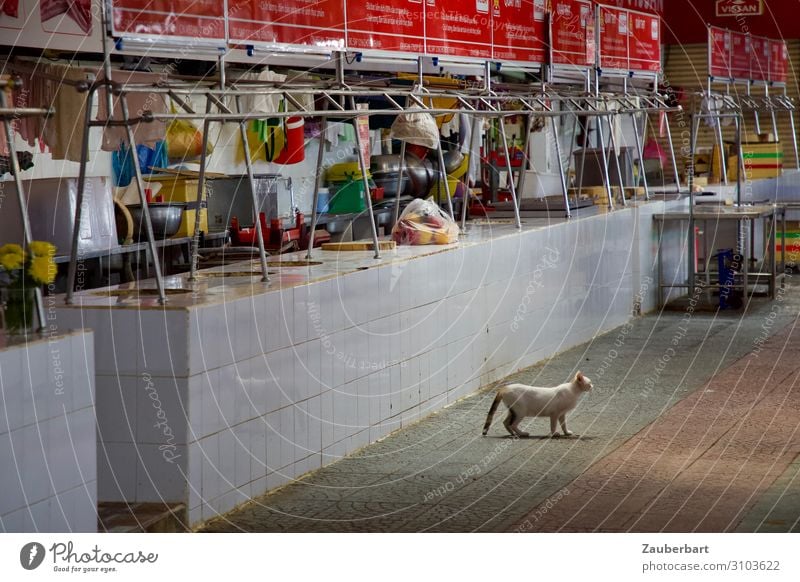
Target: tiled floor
686,430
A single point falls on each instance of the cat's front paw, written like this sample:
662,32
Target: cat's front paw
568,433
523,435
554,435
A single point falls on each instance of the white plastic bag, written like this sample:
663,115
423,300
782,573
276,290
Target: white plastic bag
416,128
424,223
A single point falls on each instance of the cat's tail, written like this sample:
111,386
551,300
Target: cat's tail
492,410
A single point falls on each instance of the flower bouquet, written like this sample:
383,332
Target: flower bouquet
21,273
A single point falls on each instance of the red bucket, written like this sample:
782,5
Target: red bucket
294,152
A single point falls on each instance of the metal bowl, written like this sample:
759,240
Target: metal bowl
388,181
452,161
385,163
165,216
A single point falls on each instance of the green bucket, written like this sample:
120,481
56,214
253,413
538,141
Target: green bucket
348,197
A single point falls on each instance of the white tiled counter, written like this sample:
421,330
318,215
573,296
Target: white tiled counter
238,387
48,463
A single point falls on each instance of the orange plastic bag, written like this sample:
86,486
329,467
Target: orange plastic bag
184,140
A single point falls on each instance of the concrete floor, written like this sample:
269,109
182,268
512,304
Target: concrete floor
693,425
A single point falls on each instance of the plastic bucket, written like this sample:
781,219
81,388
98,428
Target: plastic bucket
323,200
347,198
294,152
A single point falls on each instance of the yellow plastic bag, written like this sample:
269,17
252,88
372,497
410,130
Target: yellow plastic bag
266,138
184,140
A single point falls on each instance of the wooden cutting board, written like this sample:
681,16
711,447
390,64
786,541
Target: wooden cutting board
359,245
187,173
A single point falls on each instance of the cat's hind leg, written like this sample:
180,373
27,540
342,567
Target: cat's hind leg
509,421
563,420
514,426
553,426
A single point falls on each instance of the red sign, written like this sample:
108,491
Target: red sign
740,8
570,21
613,38
645,42
649,6
188,19
759,58
519,31
387,25
719,42
287,22
778,61
740,55
456,28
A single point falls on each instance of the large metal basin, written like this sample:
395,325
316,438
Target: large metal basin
165,216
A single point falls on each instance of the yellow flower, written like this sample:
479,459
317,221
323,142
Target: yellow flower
42,249
12,249
42,270
11,261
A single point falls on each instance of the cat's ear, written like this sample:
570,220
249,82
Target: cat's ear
580,378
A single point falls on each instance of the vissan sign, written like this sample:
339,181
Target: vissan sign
740,7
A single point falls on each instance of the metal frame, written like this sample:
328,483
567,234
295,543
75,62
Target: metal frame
339,102
8,115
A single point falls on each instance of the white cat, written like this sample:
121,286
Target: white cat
523,401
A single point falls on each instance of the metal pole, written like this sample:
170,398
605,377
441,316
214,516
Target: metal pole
201,184
690,175
400,173
564,188
23,207
317,180
612,147
262,253
363,165
585,129
672,153
755,111
162,296
474,135
73,256
740,169
510,177
604,155
443,179
772,114
794,133
640,152
572,150
525,159
723,162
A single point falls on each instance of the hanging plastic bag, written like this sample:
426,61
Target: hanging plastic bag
149,158
266,139
184,140
424,223
122,165
416,128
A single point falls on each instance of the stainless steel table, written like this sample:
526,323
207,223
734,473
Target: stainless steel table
768,213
